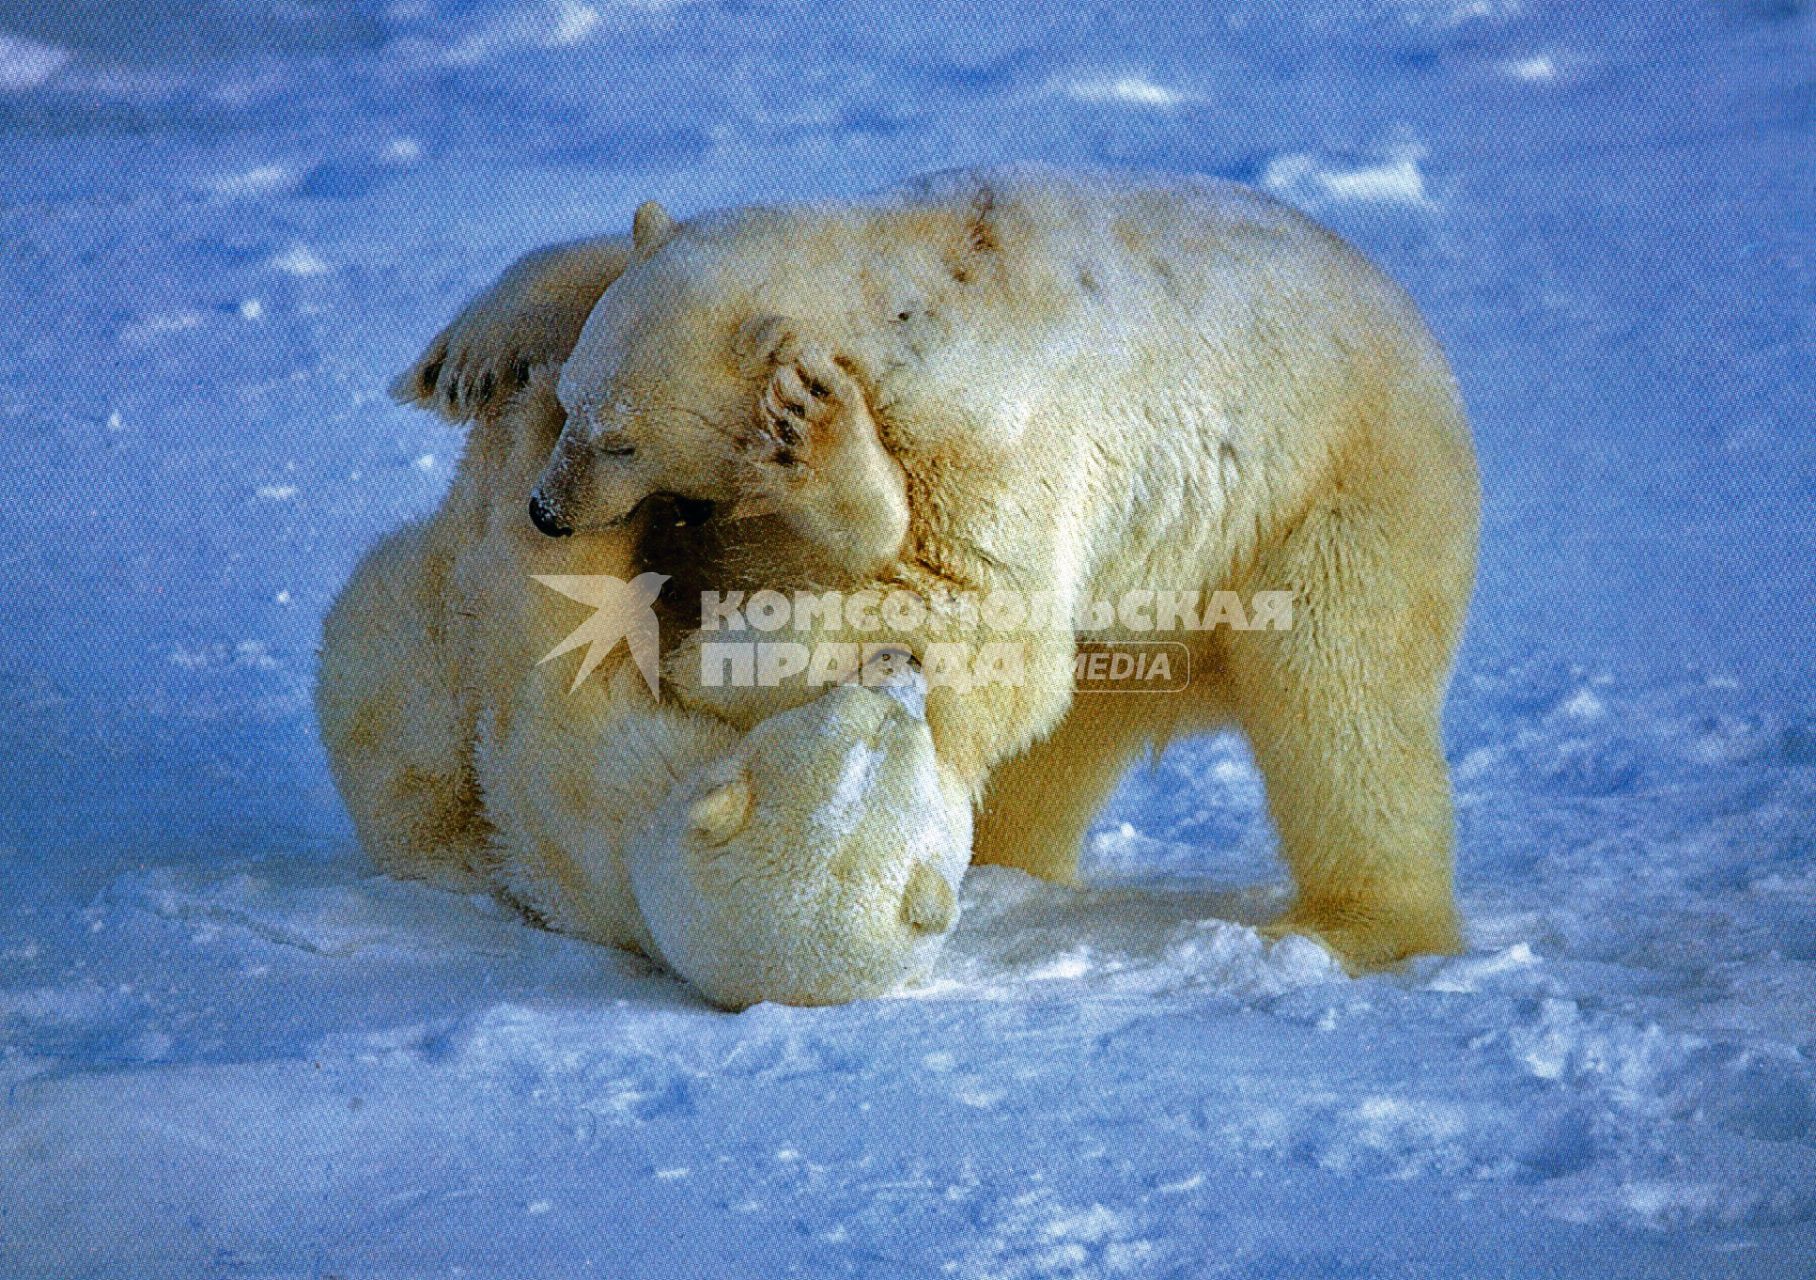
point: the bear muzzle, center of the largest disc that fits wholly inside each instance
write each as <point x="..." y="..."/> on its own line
<point x="547" y="520"/>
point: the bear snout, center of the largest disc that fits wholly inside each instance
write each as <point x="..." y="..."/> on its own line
<point x="543" y="516"/>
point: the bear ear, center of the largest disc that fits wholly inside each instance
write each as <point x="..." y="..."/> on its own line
<point x="721" y="813"/>
<point x="651" y="228"/>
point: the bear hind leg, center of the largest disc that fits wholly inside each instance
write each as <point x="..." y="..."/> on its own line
<point x="1342" y="712"/>
<point x="398" y="737"/>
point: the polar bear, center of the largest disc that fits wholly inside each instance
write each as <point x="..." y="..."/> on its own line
<point x="815" y="859"/>
<point x="1092" y="386"/>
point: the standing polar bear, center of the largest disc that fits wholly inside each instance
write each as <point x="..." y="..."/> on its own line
<point x="1083" y="387"/>
<point x="1077" y="388"/>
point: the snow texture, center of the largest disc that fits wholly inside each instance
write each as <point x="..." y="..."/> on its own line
<point x="227" y="1049"/>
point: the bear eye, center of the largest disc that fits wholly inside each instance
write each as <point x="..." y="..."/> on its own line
<point x="902" y="317"/>
<point x="617" y="450"/>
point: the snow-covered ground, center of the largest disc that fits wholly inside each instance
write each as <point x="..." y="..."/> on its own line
<point x="227" y="1049"/>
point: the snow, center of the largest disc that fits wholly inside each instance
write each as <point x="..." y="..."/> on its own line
<point x="1302" y="180"/>
<point x="228" y="1049"/>
<point x="1131" y="88"/>
<point x="26" y="64"/>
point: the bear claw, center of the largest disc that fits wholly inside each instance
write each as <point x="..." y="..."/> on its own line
<point x="796" y="414"/>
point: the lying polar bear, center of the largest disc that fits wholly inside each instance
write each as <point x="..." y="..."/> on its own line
<point x="812" y="860"/>
<point x="1079" y="385"/>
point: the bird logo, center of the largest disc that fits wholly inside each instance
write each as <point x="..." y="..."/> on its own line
<point x="621" y="611"/>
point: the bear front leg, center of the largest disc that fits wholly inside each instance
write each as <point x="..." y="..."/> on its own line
<point x="1040" y="804"/>
<point x="813" y="455"/>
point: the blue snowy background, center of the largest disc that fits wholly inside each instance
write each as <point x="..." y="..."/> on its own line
<point x="227" y="1049"/>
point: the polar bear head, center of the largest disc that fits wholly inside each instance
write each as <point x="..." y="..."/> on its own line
<point x="816" y="863"/>
<point x="666" y="374"/>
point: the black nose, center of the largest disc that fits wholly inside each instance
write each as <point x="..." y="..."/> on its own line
<point x="545" y="520"/>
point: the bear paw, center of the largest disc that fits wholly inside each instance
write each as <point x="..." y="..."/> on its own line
<point x="812" y="452"/>
<point x="1367" y="941"/>
<point x="799" y="422"/>
<point x="530" y="317"/>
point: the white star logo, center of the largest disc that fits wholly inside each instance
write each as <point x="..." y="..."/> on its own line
<point x="621" y="611"/>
